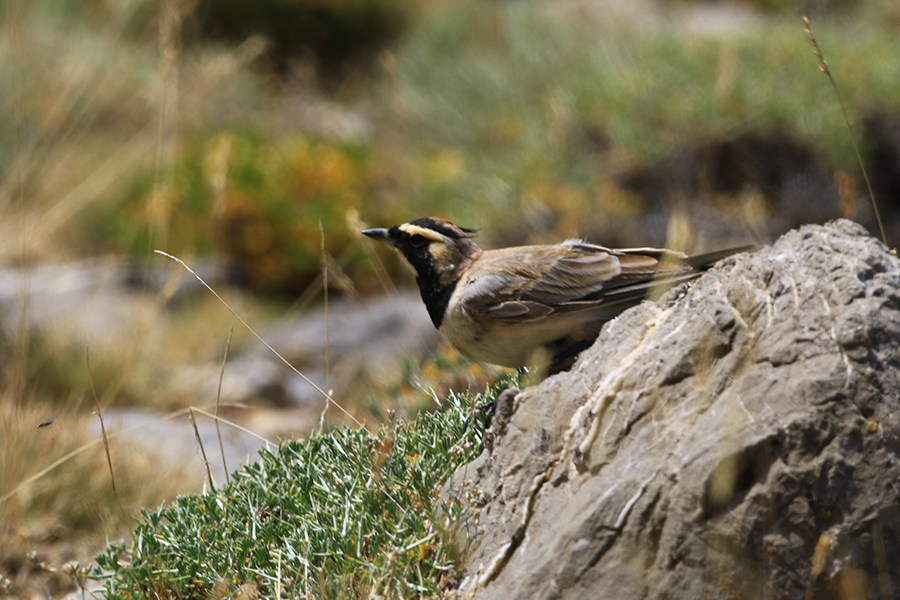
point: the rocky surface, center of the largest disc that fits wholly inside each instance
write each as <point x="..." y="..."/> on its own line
<point x="738" y="440"/>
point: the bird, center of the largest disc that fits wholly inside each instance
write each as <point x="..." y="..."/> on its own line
<point x="504" y="306"/>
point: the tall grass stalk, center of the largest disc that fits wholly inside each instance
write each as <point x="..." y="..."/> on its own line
<point x="218" y="402"/>
<point x="823" y="66"/>
<point x="112" y="475"/>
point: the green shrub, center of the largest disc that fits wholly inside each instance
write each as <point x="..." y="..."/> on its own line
<point x="341" y="515"/>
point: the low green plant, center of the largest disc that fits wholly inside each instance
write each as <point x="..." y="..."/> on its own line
<point x="345" y="514"/>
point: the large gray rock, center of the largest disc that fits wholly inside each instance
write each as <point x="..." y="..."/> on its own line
<point x="740" y="439"/>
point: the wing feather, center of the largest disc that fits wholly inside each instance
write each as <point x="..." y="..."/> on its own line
<point x="538" y="281"/>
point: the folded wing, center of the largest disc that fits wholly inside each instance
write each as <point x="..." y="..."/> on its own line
<point x="539" y="281"/>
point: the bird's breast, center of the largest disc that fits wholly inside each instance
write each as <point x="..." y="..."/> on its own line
<point x="480" y="341"/>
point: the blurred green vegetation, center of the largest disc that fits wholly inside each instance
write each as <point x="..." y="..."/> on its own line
<point x="518" y="118"/>
<point x="257" y="201"/>
<point x="537" y="98"/>
<point x="340" y="36"/>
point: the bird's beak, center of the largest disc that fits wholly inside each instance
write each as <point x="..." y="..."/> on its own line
<point x="381" y="235"/>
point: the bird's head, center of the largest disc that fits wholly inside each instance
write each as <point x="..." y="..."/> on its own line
<point x="435" y="248"/>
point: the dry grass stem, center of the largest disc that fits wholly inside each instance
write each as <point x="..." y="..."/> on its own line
<point x="823" y="66"/>
<point x="278" y="576"/>
<point x="209" y="476"/>
<point x="160" y="202"/>
<point x="123" y="433"/>
<point x="264" y="342"/>
<point x="218" y="401"/>
<point x="18" y="368"/>
<point x="325" y="292"/>
<point x="325" y="261"/>
<point x="112" y="476"/>
<point x="226" y="421"/>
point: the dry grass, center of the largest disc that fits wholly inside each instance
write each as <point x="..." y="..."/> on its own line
<point x="823" y="66"/>
<point x="66" y="512"/>
<point x="87" y="106"/>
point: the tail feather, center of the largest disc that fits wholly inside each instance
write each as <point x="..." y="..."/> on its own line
<point x="636" y="292"/>
<point x="702" y="262"/>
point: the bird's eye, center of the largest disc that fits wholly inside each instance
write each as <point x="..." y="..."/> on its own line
<point x="417" y="240"/>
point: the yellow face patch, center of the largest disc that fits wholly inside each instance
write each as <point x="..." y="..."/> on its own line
<point x="429" y="234"/>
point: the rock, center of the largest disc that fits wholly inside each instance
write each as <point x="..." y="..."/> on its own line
<point x="97" y="300"/>
<point x="740" y="439"/>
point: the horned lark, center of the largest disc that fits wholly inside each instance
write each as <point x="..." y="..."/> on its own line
<point x="501" y="306"/>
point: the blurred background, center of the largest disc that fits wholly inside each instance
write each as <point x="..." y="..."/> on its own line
<point x="254" y="139"/>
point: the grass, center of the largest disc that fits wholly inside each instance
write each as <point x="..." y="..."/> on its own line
<point x="492" y="115"/>
<point x="66" y="513"/>
<point x="647" y="83"/>
<point x="345" y="514"/>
